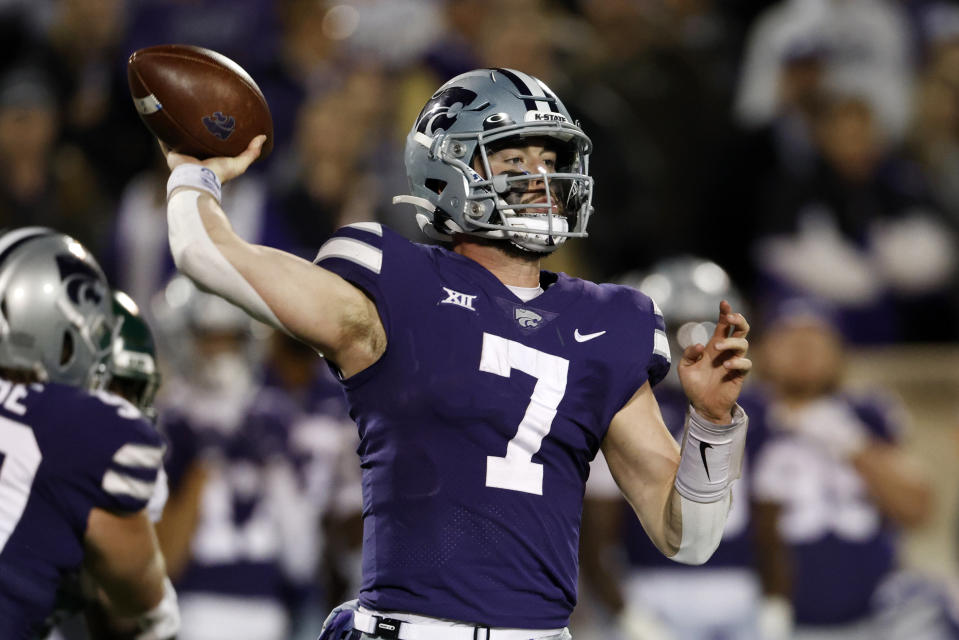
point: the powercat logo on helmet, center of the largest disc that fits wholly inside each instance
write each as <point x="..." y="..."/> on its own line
<point x="82" y="283"/>
<point x="544" y="116"/>
<point x="441" y="112"/>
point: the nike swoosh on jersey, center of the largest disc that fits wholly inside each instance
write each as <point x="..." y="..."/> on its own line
<point x="702" y="451"/>
<point x="580" y="337"/>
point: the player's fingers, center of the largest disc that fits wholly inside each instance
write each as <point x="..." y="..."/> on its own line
<point x="738" y="364"/>
<point x="731" y="324"/>
<point x="252" y="151"/>
<point x="693" y="353"/>
<point x="723" y="322"/>
<point x="736" y="345"/>
<point x="239" y="164"/>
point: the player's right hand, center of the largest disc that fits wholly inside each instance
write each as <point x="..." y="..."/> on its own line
<point x="225" y="168"/>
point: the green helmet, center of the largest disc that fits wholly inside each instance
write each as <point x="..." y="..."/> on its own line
<point x="132" y="369"/>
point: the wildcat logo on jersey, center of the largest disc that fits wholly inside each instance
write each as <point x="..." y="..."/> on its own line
<point x="527" y="319"/>
<point x="220" y="124"/>
<point x="441" y="112"/>
<point x="459" y="299"/>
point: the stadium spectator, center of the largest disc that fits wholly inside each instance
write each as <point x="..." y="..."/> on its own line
<point x="868" y="52"/>
<point x="41" y="182"/>
<point x="651" y="101"/>
<point x="327" y="180"/>
<point x="850" y="232"/>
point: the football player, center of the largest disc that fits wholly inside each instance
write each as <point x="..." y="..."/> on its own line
<point x="134" y="370"/>
<point x="239" y="532"/>
<point x="836" y="469"/>
<point x="659" y="599"/>
<point x="131" y="371"/>
<point x="77" y="466"/>
<point x="482" y="385"/>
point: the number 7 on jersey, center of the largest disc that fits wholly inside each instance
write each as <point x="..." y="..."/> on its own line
<point x="516" y="470"/>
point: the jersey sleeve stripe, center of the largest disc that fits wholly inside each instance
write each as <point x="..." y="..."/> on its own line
<point x="656" y="310"/>
<point x="121" y="484"/>
<point x="661" y="344"/>
<point x="372" y="227"/>
<point x="139" y="455"/>
<point x="352" y="250"/>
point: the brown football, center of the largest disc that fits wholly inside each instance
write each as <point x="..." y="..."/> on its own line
<point x="197" y="101"/>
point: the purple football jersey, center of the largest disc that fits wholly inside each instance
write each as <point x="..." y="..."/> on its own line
<point x="737" y="546"/>
<point x="237" y="547"/>
<point x="842" y="546"/>
<point x="63" y="452"/>
<point x="478" y="424"/>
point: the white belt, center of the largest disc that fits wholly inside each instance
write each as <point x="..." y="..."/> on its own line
<point x="384" y="627"/>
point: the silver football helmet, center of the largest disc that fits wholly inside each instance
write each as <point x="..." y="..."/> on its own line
<point x="188" y="319"/>
<point x="688" y="291"/>
<point x="447" y="162"/>
<point x="56" y="319"/>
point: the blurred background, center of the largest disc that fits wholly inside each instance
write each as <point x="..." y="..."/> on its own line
<point x="808" y="147"/>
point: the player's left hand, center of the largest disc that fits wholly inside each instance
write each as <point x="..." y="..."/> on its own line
<point x="712" y="374"/>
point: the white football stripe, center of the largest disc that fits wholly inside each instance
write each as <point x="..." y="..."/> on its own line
<point x="353" y="250"/>
<point x="660" y="343"/>
<point x="139" y="455"/>
<point x="147" y="104"/>
<point x="656" y="308"/>
<point x="372" y="227"/>
<point x="535" y="90"/>
<point x="121" y="484"/>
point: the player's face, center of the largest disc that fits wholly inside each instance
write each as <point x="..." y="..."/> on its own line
<point x="518" y="159"/>
<point x="804" y="360"/>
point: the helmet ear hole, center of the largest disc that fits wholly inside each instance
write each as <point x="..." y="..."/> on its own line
<point x="435" y="185"/>
<point x="67" y="349"/>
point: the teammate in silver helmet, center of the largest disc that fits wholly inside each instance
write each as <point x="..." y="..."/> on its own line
<point x="77" y="465"/>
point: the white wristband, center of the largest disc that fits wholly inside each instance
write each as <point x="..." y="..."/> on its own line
<point x="162" y="622"/>
<point x="711" y="456"/>
<point x="194" y="176"/>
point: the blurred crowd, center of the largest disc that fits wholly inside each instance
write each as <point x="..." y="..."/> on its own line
<point x="808" y="147"/>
